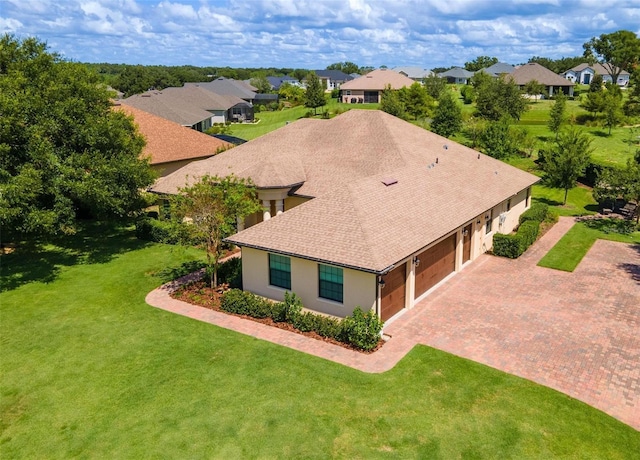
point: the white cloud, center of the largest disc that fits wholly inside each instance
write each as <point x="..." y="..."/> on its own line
<point x="10" y="25"/>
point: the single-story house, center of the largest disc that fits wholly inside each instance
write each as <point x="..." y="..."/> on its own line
<point x="457" y="75"/>
<point x="277" y="82"/>
<point x="368" y="88"/>
<point x="415" y="73"/>
<point x="534" y="71"/>
<point x="228" y="87"/>
<point x="332" y="79"/>
<point x="364" y="210"/>
<point x="497" y="69"/>
<point x="583" y="74"/>
<point x="171" y="146"/>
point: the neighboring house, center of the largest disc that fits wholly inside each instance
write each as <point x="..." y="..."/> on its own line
<point x="534" y="71"/>
<point x="368" y="88"/>
<point x="583" y="74"/>
<point x="223" y="108"/>
<point x="364" y="209"/>
<point x="277" y="82"/>
<point x="497" y="69"/>
<point x="457" y="75"/>
<point x="228" y="87"/>
<point x="171" y="146"/>
<point x="332" y="79"/>
<point x="415" y="73"/>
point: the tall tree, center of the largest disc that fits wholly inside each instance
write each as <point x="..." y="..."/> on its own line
<point x="614" y="183"/>
<point x="498" y="139"/>
<point x="390" y="102"/>
<point x="448" y="116"/>
<point x="346" y="67"/>
<point x="498" y="97"/>
<point x="567" y="160"/>
<point x="612" y="106"/>
<point x="314" y="94"/>
<point x="63" y="150"/>
<point x="416" y="100"/>
<point x="632" y="104"/>
<point x="214" y="206"/>
<point x="261" y="84"/>
<point x="597" y="84"/>
<point x="534" y="88"/>
<point x="557" y="115"/>
<point x="435" y="85"/>
<point x="616" y="52"/>
<point x="481" y="62"/>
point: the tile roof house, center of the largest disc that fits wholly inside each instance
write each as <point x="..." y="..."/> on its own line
<point x="584" y="73"/>
<point x="457" y="75"/>
<point x="415" y="73"/>
<point x="171" y="146"/>
<point x="332" y="79"/>
<point x="363" y="210"/>
<point x="277" y="82"/>
<point x="228" y="87"/>
<point x="368" y="88"/>
<point x="534" y="71"/>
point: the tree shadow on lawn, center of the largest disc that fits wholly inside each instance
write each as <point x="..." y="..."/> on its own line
<point x="548" y="201"/>
<point x="42" y="260"/>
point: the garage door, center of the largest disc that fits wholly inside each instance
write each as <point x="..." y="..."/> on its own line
<point x="393" y="293"/>
<point x="435" y="264"/>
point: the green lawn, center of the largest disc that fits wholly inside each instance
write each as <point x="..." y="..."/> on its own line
<point x="580" y="201"/>
<point x="574" y="245"/>
<point x="89" y="370"/>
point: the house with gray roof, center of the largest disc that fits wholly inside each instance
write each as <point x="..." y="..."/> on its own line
<point x="457" y="75"/>
<point x="364" y="210"/>
<point x="497" y="69"/>
<point x="332" y="79"/>
<point x="228" y="87"/>
<point x="415" y="73"/>
<point x="583" y="74"/>
<point x="534" y="71"/>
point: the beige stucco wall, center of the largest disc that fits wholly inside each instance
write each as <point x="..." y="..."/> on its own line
<point x="518" y="206"/>
<point x="357" y="93"/>
<point x="359" y="287"/>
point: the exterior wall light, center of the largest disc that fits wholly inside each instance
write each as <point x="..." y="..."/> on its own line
<point x="416" y="261"/>
<point x="381" y="283"/>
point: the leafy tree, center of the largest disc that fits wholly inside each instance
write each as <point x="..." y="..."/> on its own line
<point x="448" y="117"/>
<point x="632" y="105"/>
<point x="498" y="139"/>
<point x="391" y="103"/>
<point x="594" y="102"/>
<point x="416" y="100"/>
<point x="480" y="80"/>
<point x="213" y="206"/>
<point x="261" y="84"/>
<point x="346" y="67"/>
<point x="63" y="150"/>
<point x="314" y="95"/>
<point x="614" y="183"/>
<point x="557" y="115"/>
<point x="435" y="86"/>
<point x="468" y="94"/>
<point x="498" y="97"/>
<point x="567" y="160"/>
<point x="558" y="65"/>
<point x="616" y="52"/>
<point x="292" y="93"/>
<point x="480" y="62"/>
<point x="534" y="88"/>
<point x="612" y="107"/>
<point x="473" y="129"/>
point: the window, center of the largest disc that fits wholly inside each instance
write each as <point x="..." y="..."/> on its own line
<point x="509" y="204"/>
<point x="330" y="282"/>
<point x="489" y="222"/>
<point x="280" y="271"/>
<point x="526" y="201"/>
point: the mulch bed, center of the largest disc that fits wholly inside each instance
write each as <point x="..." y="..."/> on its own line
<point x="199" y="293"/>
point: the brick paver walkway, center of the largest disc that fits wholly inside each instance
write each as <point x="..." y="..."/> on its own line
<point x="575" y="332"/>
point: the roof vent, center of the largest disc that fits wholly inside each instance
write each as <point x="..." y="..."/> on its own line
<point x="389" y="181"/>
<point x="445" y="146"/>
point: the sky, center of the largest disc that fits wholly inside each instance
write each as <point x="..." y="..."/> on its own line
<point x="312" y="34"/>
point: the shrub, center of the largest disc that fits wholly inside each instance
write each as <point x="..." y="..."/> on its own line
<point x="361" y="329"/>
<point x="161" y="231"/>
<point x="230" y="272"/>
<point x="537" y="212"/>
<point x="292" y="306"/>
<point x="528" y="232"/>
<point x="246" y="303"/>
<point x="507" y="245"/>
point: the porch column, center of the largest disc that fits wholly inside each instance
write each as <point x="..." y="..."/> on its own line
<point x="266" y="210"/>
<point x="279" y="207"/>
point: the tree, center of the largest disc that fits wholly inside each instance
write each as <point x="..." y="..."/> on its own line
<point x="63" y="151"/>
<point x="616" y="52"/>
<point x="390" y="102"/>
<point x="557" y="115"/>
<point x="597" y="84"/>
<point x="614" y="183"/>
<point x="448" y="117"/>
<point x="481" y="62"/>
<point x="534" y="88"/>
<point x="314" y="95"/>
<point x="416" y="100"/>
<point x="567" y="160"/>
<point x="214" y="206"/>
<point x="632" y="105"/>
<point x="594" y="102"/>
<point x="346" y="67"/>
<point x="261" y="84"/>
<point x="612" y="106"/>
<point x="292" y="93"/>
<point x="498" y="97"/>
<point x="435" y="85"/>
<point x="498" y="139"/>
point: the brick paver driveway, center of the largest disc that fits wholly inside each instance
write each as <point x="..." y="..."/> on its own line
<point x="576" y="332"/>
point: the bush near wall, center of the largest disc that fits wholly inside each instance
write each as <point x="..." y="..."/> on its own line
<point x="161" y="231"/>
<point x="361" y="330"/>
<point x="514" y="245"/>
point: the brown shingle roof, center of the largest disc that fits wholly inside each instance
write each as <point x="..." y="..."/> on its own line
<point x="534" y="71"/>
<point x="597" y="67"/>
<point x="168" y="141"/>
<point x="378" y="80"/>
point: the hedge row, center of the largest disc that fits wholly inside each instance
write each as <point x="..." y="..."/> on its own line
<point x="514" y="245"/>
<point x="361" y="330"/>
<point x="161" y="231"/>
